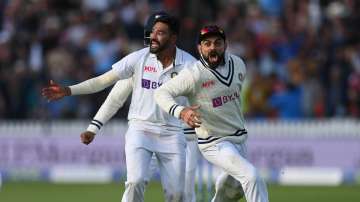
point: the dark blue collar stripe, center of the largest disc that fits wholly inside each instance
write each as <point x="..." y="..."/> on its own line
<point x="218" y="73"/>
<point x="225" y="80"/>
<point x="204" y="63"/>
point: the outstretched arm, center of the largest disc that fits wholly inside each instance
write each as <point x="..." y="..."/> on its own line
<point x="54" y="91"/>
<point x="114" y="101"/>
<point x="122" y="69"/>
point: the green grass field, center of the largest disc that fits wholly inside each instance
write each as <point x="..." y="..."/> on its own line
<point x="44" y="192"/>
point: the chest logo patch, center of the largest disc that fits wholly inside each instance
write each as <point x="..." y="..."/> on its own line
<point x="148" y="84"/>
<point x="208" y="84"/>
<point x="173" y="74"/>
<point x="150" y="69"/>
<point x="219" y="101"/>
<point x="241" y="77"/>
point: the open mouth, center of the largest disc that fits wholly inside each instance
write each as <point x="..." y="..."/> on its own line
<point x="213" y="57"/>
<point x="154" y="44"/>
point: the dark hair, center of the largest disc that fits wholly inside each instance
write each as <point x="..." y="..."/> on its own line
<point x="211" y="30"/>
<point x="170" y="20"/>
<point x="164" y="17"/>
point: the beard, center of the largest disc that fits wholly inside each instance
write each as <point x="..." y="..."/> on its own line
<point x="156" y="47"/>
<point x="214" y="58"/>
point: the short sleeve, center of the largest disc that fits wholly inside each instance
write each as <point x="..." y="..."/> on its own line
<point x="125" y="68"/>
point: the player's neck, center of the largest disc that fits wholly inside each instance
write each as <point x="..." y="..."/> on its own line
<point x="167" y="57"/>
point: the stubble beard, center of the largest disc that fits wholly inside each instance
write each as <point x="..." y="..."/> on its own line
<point x="159" y="49"/>
<point x="220" y="58"/>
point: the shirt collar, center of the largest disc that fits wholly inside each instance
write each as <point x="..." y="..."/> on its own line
<point x="223" y="63"/>
<point x="179" y="57"/>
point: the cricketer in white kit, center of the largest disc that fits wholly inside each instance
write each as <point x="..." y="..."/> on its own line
<point x="114" y="101"/>
<point x="151" y="131"/>
<point x="213" y="86"/>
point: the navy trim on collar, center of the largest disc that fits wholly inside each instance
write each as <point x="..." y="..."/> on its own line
<point x="226" y="80"/>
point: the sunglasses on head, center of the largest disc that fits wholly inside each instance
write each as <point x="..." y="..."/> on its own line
<point x="211" y="29"/>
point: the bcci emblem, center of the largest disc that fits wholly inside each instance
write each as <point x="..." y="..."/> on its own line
<point x="241" y="77"/>
<point x="173" y="74"/>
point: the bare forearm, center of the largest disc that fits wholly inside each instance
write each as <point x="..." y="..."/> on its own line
<point x="67" y="91"/>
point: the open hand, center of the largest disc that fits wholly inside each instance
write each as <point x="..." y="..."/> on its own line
<point x="87" y="137"/>
<point x="54" y="91"/>
<point x="190" y="116"/>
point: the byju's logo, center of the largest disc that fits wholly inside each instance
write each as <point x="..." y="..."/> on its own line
<point x="219" y="101"/>
<point x="148" y="84"/>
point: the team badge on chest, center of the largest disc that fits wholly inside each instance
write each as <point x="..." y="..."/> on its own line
<point x="241" y="77"/>
<point x="173" y="74"/>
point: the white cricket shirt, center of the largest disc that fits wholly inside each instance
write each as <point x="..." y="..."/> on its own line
<point x="148" y="74"/>
<point x="217" y="91"/>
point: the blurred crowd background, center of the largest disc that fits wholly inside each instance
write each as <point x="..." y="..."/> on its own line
<point x="302" y="57"/>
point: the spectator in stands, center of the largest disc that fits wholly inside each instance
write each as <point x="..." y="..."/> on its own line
<point x="269" y="35"/>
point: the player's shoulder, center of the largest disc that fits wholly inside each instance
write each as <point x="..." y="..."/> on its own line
<point x="191" y="69"/>
<point x="184" y="56"/>
<point x="132" y="58"/>
<point x="139" y="53"/>
<point x="235" y="58"/>
<point x="238" y="61"/>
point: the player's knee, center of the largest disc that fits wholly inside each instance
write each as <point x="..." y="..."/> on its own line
<point x="234" y="193"/>
<point x="229" y="189"/>
<point x="220" y="185"/>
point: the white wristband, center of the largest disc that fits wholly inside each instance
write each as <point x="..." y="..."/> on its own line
<point x="93" y="129"/>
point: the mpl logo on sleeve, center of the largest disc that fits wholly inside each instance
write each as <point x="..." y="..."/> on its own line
<point x="219" y="101"/>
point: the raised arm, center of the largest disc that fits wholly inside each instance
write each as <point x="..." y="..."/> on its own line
<point x="114" y="101"/>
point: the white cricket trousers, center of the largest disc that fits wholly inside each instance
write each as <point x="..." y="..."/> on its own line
<point x="192" y="153"/>
<point x="169" y="150"/>
<point x="231" y="158"/>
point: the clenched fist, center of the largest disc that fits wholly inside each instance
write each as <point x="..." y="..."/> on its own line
<point x="87" y="137"/>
